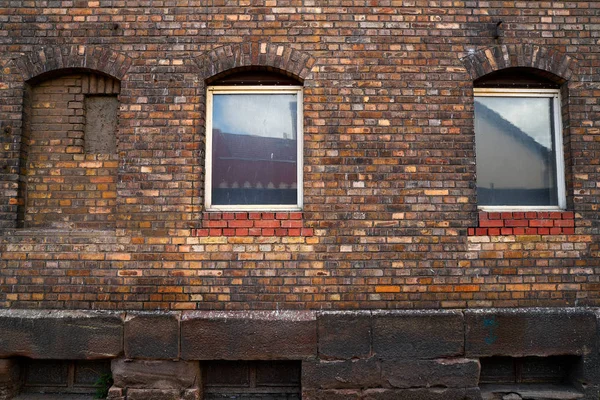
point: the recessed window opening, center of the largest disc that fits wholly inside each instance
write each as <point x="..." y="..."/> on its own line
<point x="273" y="380"/>
<point x="509" y="370"/>
<point x="519" y="150"/>
<point x="254" y="146"/>
<point x="63" y="376"/>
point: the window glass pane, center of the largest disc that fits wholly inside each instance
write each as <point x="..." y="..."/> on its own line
<point x="254" y="149"/>
<point x="516" y="155"/>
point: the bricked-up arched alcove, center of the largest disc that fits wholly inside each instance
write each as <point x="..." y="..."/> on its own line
<point x="68" y="151"/>
<point x="19" y="75"/>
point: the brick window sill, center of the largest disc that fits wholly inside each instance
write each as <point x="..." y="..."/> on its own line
<point x="524" y="223"/>
<point x="252" y="224"/>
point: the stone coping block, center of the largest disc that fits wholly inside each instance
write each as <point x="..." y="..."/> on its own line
<point x="252" y="335"/>
<point x="61" y="335"/>
<point x="530" y="332"/>
<point x="417" y="334"/>
<point x="344" y="334"/>
<point x="152" y="335"/>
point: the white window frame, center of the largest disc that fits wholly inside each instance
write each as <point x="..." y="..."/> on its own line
<point x="297" y="90"/>
<point x="558" y="143"/>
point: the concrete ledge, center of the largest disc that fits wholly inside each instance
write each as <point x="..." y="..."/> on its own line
<point x="256" y="335"/>
<point x="61" y="335"/>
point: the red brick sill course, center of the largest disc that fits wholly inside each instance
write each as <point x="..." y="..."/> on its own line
<point x="252" y="224"/>
<point x="525" y="223"/>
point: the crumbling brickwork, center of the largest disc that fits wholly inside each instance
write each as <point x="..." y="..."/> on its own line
<point x="389" y="216"/>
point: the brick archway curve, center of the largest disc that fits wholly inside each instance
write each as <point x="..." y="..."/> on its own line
<point x="53" y="58"/>
<point x="485" y="61"/>
<point x="279" y="57"/>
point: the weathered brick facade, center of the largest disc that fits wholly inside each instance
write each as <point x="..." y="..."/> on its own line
<point x="389" y="218"/>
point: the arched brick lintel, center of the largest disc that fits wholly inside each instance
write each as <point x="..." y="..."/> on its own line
<point x="491" y="59"/>
<point x="279" y="57"/>
<point x="46" y="59"/>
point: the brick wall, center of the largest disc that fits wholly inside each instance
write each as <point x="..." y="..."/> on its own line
<point x="390" y="216"/>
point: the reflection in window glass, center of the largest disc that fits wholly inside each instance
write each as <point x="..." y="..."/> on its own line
<point x="254" y="149"/>
<point x="516" y="152"/>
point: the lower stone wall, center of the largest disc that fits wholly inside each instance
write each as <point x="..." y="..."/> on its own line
<point x="343" y="355"/>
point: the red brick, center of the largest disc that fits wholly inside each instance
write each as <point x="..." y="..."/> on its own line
<point x="498" y="223"/>
<point x="291" y="224"/>
<point x="307" y="231"/>
<point x="228" y="215"/>
<point x="254" y="215"/>
<point x="267" y="223"/>
<point x="494" y="215"/>
<point x="240" y="224"/>
<point x="215" y="224"/>
<point x="541" y="223"/>
<point x="511" y="223"/>
<point x="565" y="223"/>
<point x="255" y="231"/>
<point x="493" y="231"/>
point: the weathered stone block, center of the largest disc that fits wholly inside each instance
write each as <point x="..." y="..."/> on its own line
<point x="190" y="394"/>
<point x="257" y="335"/>
<point x="153" y="394"/>
<point x="152" y="335"/>
<point x="345" y="394"/>
<point x="450" y="373"/>
<point x="60" y="335"/>
<point x="422" y="394"/>
<point x="155" y="374"/>
<point x="344" y="335"/>
<point x="417" y="334"/>
<point x="354" y="374"/>
<point x="115" y="393"/>
<point x="529" y="332"/>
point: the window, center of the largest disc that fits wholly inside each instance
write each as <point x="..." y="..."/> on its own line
<point x="254" y="148"/>
<point x="252" y="380"/>
<point x="519" y="149"/>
